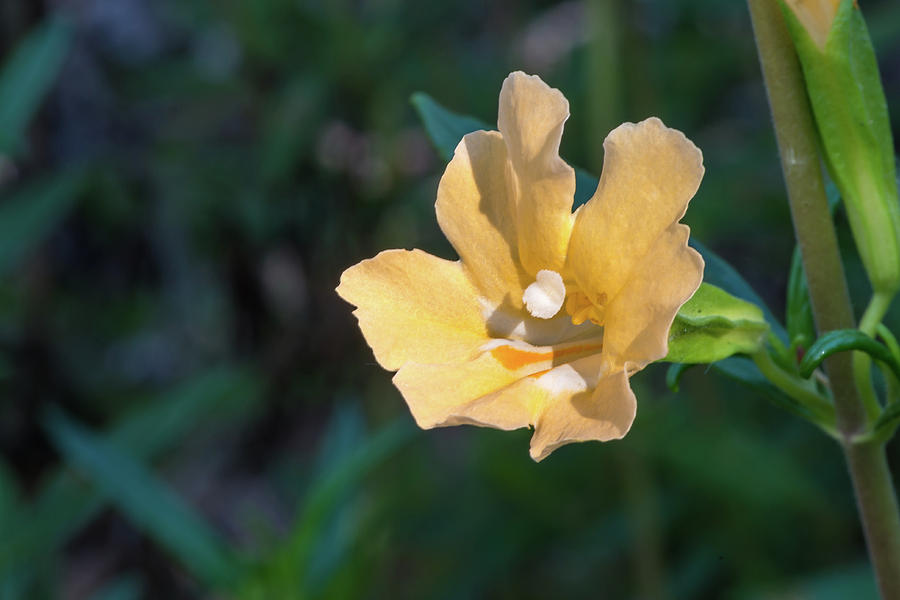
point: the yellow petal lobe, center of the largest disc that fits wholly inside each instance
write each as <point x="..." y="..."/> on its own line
<point x="476" y="212"/>
<point x="639" y="317"/>
<point x="650" y="172"/>
<point x="507" y="385"/>
<point x="414" y="306"/>
<point x="530" y="118"/>
<point x="603" y="413"/>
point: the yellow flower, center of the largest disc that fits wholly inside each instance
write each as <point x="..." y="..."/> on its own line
<point x="547" y="313"/>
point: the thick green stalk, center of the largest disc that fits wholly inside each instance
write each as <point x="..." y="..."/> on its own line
<point x="796" y="137"/>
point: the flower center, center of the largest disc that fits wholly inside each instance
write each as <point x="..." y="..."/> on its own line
<point x="545" y="296"/>
<point x="582" y="308"/>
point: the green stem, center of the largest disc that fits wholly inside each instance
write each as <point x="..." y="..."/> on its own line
<point x="800" y="390"/>
<point x="891" y="342"/>
<point x="878" y="307"/>
<point x="800" y="163"/>
<point x="862" y="363"/>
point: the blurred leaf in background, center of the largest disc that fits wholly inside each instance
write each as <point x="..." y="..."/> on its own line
<point x="27" y="76"/>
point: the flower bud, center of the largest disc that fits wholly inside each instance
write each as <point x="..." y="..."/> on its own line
<point x="851" y="114"/>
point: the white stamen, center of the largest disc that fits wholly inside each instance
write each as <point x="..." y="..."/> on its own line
<point x="545" y="296"/>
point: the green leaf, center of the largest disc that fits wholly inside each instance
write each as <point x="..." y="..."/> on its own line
<point x="27" y="76"/>
<point x="65" y="503"/>
<point x="338" y="479"/>
<point x="798" y="312"/>
<point x="348" y="454"/>
<point x="151" y="505"/>
<point x="220" y="394"/>
<point x="713" y="325"/>
<point x="842" y="340"/>
<point x="446" y="128"/>
<point x="674" y="374"/>
<point x="32" y="212"/>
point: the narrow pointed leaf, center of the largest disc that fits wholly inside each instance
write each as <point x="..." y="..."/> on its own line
<point x="799" y="316"/>
<point x="27" y="76"/>
<point x="444" y="127"/>
<point x="147" y="502"/>
<point x="29" y="214"/>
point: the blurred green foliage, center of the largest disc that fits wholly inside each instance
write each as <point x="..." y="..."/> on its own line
<point x="188" y="410"/>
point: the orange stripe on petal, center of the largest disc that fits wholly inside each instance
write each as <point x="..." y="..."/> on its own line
<point x="513" y="358"/>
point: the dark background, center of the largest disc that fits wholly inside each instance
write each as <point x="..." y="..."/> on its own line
<point x="188" y="410"/>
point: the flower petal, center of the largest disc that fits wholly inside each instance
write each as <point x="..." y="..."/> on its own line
<point x="505" y="386"/>
<point x="650" y="172"/>
<point x="602" y="414"/>
<point x="477" y="214"/>
<point x="531" y="117"/>
<point x="638" y="318"/>
<point x="414" y="306"/>
<point x="478" y="392"/>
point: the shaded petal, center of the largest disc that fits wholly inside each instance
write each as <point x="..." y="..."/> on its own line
<point x="414" y="306"/>
<point x="505" y="386"/>
<point x="638" y="318"/>
<point x="477" y="214"/>
<point x="602" y="414"/>
<point x="531" y="117"/>
<point x="478" y="392"/>
<point x="650" y="172"/>
<point x="516" y="324"/>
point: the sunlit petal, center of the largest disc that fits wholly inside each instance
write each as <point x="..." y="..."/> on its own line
<point x="531" y="118"/>
<point x="638" y="318"/>
<point x="414" y="306"/>
<point x="601" y="413"/>
<point x="650" y="172"/>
